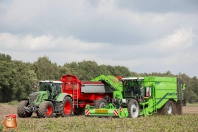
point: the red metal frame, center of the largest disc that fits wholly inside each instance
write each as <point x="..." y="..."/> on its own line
<point x="73" y="86"/>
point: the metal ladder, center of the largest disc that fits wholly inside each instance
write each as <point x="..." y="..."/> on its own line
<point x="75" y="94"/>
<point x="154" y="101"/>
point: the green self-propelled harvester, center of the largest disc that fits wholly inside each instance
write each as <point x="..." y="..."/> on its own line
<point x="141" y="96"/>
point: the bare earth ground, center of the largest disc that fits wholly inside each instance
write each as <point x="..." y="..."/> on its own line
<point x="6" y="109"/>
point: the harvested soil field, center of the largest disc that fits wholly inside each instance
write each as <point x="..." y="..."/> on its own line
<point x="190" y="110"/>
<point x="82" y="123"/>
<point x="6" y="109"/>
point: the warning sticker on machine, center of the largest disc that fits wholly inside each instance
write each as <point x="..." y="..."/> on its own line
<point x="101" y="111"/>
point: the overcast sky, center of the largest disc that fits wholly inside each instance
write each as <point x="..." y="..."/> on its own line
<point x="143" y="35"/>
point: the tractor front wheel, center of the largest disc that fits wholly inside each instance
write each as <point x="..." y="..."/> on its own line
<point x="133" y="108"/>
<point x="21" y="110"/>
<point x="45" y="109"/>
<point x="66" y="107"/>
<point x="101" y="103"/>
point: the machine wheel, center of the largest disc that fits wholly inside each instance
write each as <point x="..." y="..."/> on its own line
<point x="133" y="108"/>
<point x="169" y="108"/>
<point x="79" y="111"/>
<point x="21" y="110"/>
<point x="45" y="109"/>
<point x="101" y="103"/>
<point x="66" y="107"/>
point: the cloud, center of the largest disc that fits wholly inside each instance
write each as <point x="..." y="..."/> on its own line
<point x="103" y="23"/>
<point x="180" y="40"/>
<point x="45" y="42"/>
<point x="174" y="52"/>
<point x="159" y="6"/>
<point x="145" y="37"/>
<point x="60" y="49"/>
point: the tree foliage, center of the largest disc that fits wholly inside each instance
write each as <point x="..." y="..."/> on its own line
<point x="18" y="78"/>
<point x="45" y="69"/>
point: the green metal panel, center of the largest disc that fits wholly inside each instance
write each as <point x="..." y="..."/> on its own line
<point x="122" y="112"/>
<point x="61" y="96"/>
<point x="163" y="86"/>
<point x="111" y="80"/>
<point x="163" y="89"/>
<point x="160" y="79"/>
<point x="118" y="94"/>
<point x="43" y="95"/>
<point x="108" y="113"/>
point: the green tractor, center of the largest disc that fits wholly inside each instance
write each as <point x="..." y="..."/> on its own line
<point x="48" y="100"/>
<point x="141" y="96"/>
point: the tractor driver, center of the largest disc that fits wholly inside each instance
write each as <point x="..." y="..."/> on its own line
<point x="134" y="87"/>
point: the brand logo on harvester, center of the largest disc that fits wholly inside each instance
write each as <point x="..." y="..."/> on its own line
<point x="10" y="122"/>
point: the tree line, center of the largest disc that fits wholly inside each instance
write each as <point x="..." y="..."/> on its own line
<point x="18" y="78"/>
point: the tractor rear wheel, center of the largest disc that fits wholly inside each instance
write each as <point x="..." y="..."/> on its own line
<point x="21" y="110"/>
<point x="133" y="108"/>
<point x="45" y="109"/>
<point x="101" y="103"/>
<point x="169" y="108"/>
<point x="66" y="107"/>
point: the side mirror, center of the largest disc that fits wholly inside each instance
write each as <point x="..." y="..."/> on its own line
<point x="183" y="86"/>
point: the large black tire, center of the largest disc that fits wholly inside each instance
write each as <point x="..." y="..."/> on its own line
<point x="101" y="103"/>
<point x="133" y="108"/>
<point x="66" y="107"/>
<point x="21" y="110"/>
<point x="79" y="111"/>
<point x="45" y="109"/>
<point x="169" y="108"/>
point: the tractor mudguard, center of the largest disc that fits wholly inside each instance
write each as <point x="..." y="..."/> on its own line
<point x="61" y="96"/>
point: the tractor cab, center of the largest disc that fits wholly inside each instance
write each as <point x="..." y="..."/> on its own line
<point x="52" y="87"/>
<point x="133" y="87"/>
